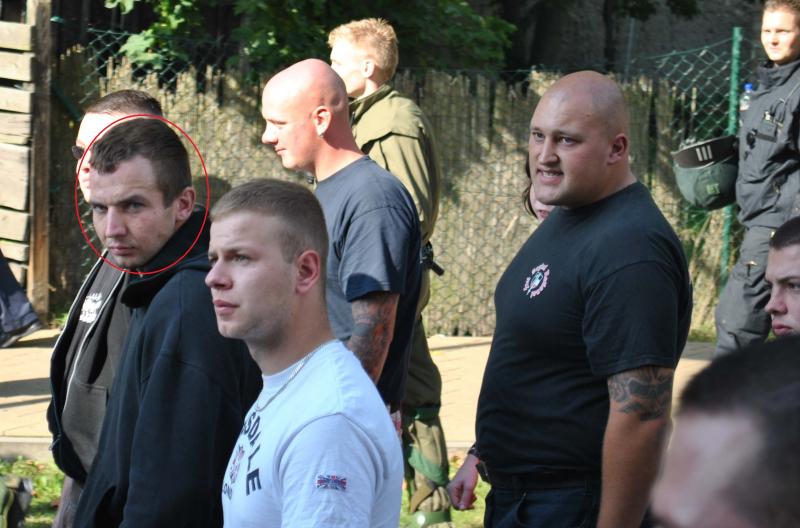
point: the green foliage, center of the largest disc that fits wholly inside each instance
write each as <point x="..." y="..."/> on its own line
<point x="275" y="34"/>
<point x="271" y="35"/>
<point x="126" y="6"/>
<point x="159" y="45"/>
<point x="47" y="480"/>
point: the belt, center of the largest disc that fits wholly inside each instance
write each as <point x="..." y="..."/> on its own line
<point x="543" y="479"/>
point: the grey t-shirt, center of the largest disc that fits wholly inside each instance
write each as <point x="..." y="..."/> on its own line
<point x="374" y="245"/>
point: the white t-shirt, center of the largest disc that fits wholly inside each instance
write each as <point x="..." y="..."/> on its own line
<point x="322" y="453"/>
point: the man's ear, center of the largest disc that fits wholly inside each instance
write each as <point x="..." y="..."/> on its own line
<point x="184" y="204"/>
<point x="308" y="267"/>
<point x="619" y="149"/>
<point x="367" y="68"/>
<point x="322" y="119"/>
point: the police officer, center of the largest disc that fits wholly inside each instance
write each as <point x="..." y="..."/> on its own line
<point x="768" y="185"/>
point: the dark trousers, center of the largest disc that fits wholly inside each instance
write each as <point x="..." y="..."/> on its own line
<point x="575" y="506"/>
<point x="563" y="507"/>
<point x="740" y="316"/>
<point x="15" y="309"/>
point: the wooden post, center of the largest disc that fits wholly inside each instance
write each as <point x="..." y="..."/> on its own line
<point x="39" y="265"/>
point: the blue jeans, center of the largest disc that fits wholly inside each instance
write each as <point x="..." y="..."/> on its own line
<point x="15" y="310"/>
<point x="572" y="507"/>
<point x="568" y="507"/>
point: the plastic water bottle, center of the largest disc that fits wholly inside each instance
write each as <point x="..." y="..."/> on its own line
<point x="744" y="101"/>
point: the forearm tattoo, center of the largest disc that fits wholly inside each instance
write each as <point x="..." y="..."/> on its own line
<point x="645" y="392"/>
<point x="373" y="326"/>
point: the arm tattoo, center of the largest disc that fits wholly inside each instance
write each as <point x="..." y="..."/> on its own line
<point x="373" y="328"/>
<point x="645" y="391"/>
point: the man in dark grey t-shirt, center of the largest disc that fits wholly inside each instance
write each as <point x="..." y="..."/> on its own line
<point x="373" y="272"/>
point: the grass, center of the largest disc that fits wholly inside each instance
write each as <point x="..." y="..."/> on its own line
<point x="703" y="334"/>
<point x="47" y="480"/>
<point x="461" y="519"/>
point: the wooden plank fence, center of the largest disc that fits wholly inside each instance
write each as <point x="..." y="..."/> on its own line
<point x="25" y="60"/>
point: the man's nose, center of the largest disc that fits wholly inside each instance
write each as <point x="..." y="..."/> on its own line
<point x="216" y="279"/>
<point x="545" y="152"/>
<point x="84" y="165"/>
<point x="775" y="305"/>
<point x="270" y="137"/>
<point x="115" y="224"/>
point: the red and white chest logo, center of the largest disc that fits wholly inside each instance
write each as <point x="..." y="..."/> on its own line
<point x="536" y="282"/>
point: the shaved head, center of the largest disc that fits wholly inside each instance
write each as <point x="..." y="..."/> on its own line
<point x="578" y="149"/>
<point x="308" y="84"/>
<point x="306" y="111"/>
<point x="601" y="98"/>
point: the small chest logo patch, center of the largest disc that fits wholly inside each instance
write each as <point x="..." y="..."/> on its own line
<point x="537" y="281"/>
<point x="333" y="482"/>
<point x="91" y="308"/>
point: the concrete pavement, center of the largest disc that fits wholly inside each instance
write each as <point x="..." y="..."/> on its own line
<point x="25" y="388"/>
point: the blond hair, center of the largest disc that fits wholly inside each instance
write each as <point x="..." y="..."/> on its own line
<point x="772" y="5"/>
<point x="376" y="38"/>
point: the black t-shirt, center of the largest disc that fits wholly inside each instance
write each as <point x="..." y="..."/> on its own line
<point x="374" y="246"/>
<point x="595" y="291"/>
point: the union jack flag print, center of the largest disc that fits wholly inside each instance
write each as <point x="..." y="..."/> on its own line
<point x="332" y="482"/>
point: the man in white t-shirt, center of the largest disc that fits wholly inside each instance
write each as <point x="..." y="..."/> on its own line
<point x="317" y="448"/>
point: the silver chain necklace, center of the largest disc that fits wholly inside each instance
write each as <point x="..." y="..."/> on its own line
<point x="294" y="373"/>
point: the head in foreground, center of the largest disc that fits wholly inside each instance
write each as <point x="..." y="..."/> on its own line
<point x="734" y="458"/>
<point x="268" y="250"/>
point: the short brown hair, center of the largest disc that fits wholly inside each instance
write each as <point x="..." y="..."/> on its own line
<point x="788" y="234"/>
<point x="126" y="102"/>
<point x="152" y="139"/>
<point x="760" y="383"/>
<point x="294" y="204"/>
<point x="376" y="37"/>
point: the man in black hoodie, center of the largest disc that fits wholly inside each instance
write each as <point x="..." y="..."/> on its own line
<point x="182" y="389"/>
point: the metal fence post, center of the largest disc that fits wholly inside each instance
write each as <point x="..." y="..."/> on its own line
<point x="733" y="122"/>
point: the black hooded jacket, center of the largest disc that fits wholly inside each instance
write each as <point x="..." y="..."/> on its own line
<point x="178" y="402"/>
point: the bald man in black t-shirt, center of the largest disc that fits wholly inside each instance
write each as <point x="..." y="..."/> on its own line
<point x="592" y="315"/>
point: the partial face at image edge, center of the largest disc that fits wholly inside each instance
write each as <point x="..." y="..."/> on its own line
<point x="783" y="277"/>
<point x="91" y="126"/>
<point x="780" y="35"/>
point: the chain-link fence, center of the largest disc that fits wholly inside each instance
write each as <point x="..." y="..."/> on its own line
<point x="481" y="127"/>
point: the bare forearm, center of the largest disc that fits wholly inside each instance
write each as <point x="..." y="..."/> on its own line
<point x="638" y="423"/>
<point x="373" y="327"/>
<point x="631" y="457"/>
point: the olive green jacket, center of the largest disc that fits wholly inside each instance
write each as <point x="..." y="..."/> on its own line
<point x="393" y="131"/>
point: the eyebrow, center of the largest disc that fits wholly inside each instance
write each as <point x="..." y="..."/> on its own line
<point x="558" y="132"/>
<point x="124" y="201"/>
<point x="787" y="278"/>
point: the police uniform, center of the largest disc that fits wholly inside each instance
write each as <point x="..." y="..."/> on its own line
<point x="393" y="131"/>
<point x="768" y="194"/>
